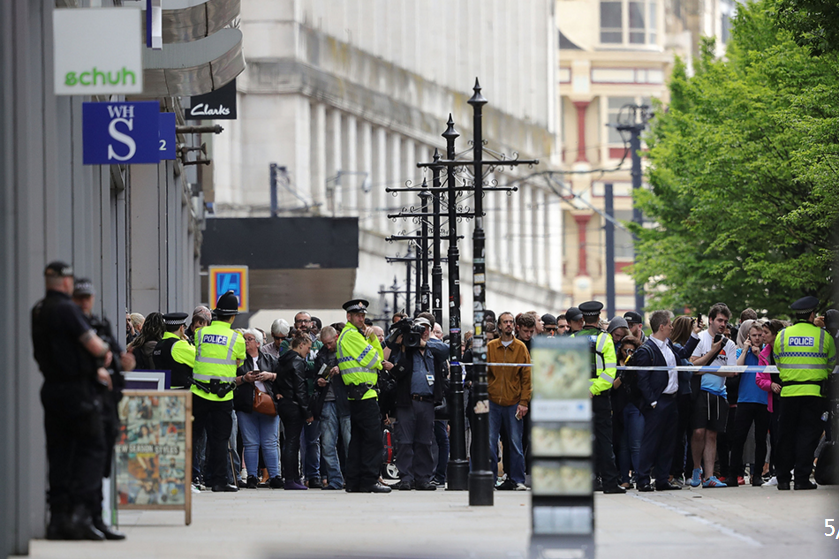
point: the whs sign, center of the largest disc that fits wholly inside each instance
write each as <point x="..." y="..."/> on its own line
<point x="126" y="133"/>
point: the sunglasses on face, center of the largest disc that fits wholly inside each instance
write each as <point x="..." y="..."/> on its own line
<point x="277" y="338"/>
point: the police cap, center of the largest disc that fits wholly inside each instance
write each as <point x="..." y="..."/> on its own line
<point x="83" y="288"/>
<point x="228" y="304"/>
<point x="633" y="317"/>
<point x="175" y="318"/>
<point x="58" y="268"/>
<point x="356" y="305"/>
<point x="805" y="305"/>
<point x="573" y="314"/>
<point x="548" y="319"/>
<point x="591" y="308"/>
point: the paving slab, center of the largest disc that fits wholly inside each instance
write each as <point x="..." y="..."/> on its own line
<point x="738" y="523"/>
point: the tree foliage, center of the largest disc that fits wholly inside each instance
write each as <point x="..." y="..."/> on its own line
<point x="744" y="165"/>
<point x="813" y="23"/>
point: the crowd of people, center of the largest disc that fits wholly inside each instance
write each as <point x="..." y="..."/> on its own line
<point x="655" y="429"/>
<point x="313" y="406"/>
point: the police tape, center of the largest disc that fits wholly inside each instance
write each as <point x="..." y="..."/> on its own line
<point x="705" y="369"/>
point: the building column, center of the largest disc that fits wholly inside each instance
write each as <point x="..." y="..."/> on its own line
<point x="527" y="232"/>
<point x="318" y="135"/>
<point x="540" y="259"/>
<point x="365" y="165"/>
<point x="514" y="233"/>
<point x="379" y="180"/>
<point x="333" y="159"/>
<point x="555" y="243"/>
<point x="582" y="222"/>
<point x="394" y="179"/>
<point x="348" y="183"/>
<point x="581" y="130"/>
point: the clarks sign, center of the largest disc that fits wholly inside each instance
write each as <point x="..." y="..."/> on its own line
<point x="216" y="105"/>
<point x="97" y="51"/>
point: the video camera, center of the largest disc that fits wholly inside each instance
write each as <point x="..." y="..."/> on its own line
<point x="411" y="333"/>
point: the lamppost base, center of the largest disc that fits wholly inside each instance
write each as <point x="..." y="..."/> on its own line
<point x="481" y="488"/>
<point x="457" y="475"/>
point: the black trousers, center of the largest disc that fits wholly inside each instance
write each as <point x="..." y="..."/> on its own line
<point x="292" y="427"/>
<point x="414" y="437"/>
<point x="110" y="425"/>
<point x="800" y="426"/>
<point x="682" y="456"/>
<point x="604" y="455"/>
<point x="214" y="417"/>
<point x="748" y="413"/>
<point x="75" y="445"/>
<point x="724" y="443"/>
<point x="660" y="426"/>
<point x="365" y="454"/>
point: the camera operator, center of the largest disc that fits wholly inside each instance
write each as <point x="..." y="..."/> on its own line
<point x="420" y="377"/>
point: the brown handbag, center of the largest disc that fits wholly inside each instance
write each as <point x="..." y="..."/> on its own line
<point x="262" y="403"/>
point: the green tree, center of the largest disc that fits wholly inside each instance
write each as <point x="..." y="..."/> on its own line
<point x="743" y="171"/>
<point x="813" y="23"/>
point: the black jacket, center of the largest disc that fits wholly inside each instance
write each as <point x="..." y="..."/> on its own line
<point x="651" y="384"/>
<point x="243" y="397"/>
<point x="291" y="382"/>
<point x="403" y="370"/>
<point x="339" y="389"/>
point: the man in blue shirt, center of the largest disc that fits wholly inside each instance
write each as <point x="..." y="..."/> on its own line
<point x="420" y="377"/>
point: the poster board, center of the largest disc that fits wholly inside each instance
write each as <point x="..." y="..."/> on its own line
<point x="561" y="445"/>
<point x="154" y="451"/>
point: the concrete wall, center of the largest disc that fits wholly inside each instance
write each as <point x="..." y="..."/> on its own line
<point x="132" y="230"/>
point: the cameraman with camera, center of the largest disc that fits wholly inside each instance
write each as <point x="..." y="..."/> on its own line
<point x="420" y="377"/>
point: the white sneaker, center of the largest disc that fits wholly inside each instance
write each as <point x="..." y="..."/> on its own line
<point x="772" y="481"/>
<point x="522" y="487"/>
<point x="195" y="489"/>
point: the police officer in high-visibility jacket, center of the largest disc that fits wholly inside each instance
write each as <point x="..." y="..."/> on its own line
<point x="360" y="356"/>
<point x="219" y="351"/>
<point x="604" y="371"/>
<point x="805" y="355"/>
<point x="174" y="353"/>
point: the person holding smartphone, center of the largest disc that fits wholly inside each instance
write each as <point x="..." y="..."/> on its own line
<point x="710" y="413"/>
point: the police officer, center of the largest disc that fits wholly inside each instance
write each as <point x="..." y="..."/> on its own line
<point x="72" y="359"/>
<point x="805" y="355"/>
<point x="84" y="296"/>
<point x="360" y="355"/>
<point x="219" y="350"/>
<point x="604" y="370"/>
<point x="174" y="353"/>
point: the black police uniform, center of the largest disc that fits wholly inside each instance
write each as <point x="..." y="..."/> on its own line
<point x="180" y="373"/>
<point x="72" y="416"/>
<point x="601" y="408"/>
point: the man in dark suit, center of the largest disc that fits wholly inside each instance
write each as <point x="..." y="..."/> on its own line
<point x="658" y="389"/>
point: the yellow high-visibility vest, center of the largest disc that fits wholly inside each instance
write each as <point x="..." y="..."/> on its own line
<point x="359" y="358"/>
<point x="804" y="354"/>
<point x="218" y="351"/>
<point x="606" y="359"/>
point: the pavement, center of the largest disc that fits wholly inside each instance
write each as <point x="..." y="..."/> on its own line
<point x="735" y="523"/>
